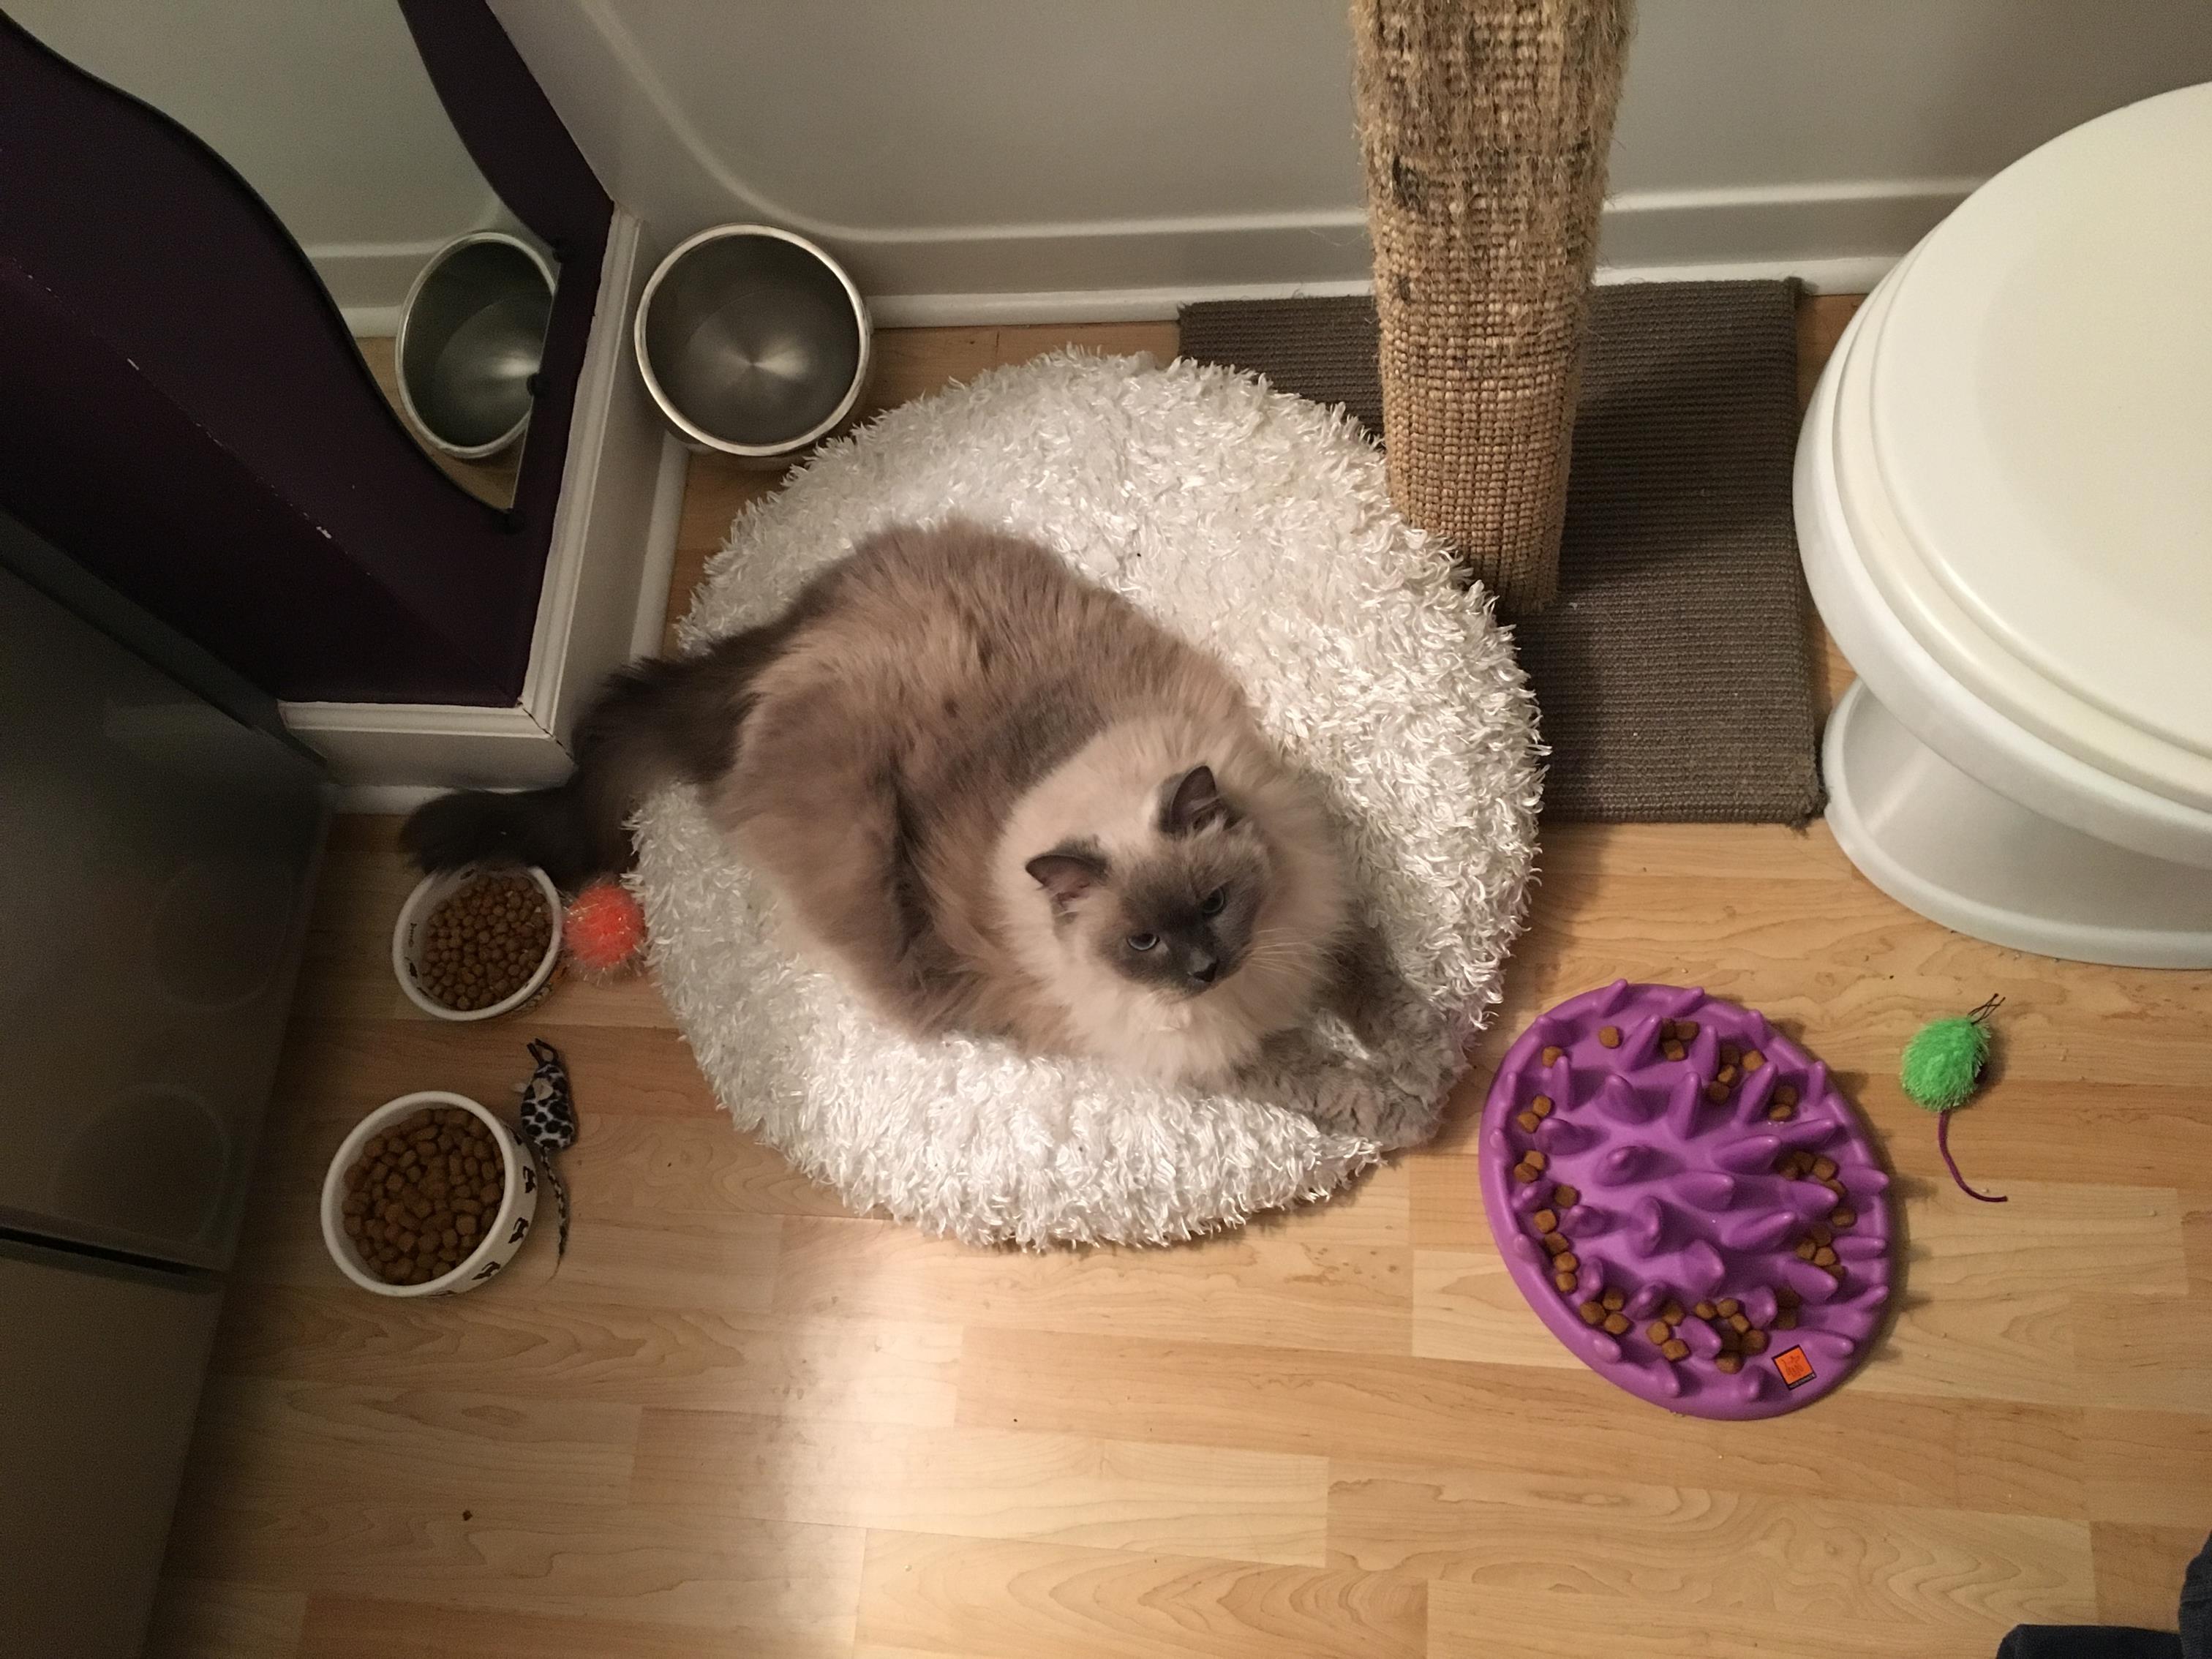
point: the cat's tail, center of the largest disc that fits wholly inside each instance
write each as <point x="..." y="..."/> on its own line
<point x="663" y="720"/>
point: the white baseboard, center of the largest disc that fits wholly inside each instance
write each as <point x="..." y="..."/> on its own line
<point x="1835" y="238"/>
<point x="1090" y="305"/>
<point x="370" y="278"/>
<point x="605" y="590"/>
<point x="381" y="800"/>
<point x="1849" y="274"/>
<point x="371" y="322"/>
<point x="1838" y="275"/>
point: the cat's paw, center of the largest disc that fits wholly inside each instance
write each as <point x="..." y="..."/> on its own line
<point x="1347" y="1102"/>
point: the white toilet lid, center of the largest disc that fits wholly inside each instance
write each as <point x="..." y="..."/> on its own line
<point x="2033" y="413"/>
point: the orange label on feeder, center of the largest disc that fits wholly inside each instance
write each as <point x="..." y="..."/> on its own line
<point x="1794" y="1366"/>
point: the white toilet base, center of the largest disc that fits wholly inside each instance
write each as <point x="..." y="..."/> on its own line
<point x="1950" y="848"/>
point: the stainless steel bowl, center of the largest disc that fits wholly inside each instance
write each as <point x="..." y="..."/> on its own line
<point x="754" y="342"/>
<point x="472" y="333"/>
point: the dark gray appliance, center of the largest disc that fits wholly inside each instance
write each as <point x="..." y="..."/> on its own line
<point x="159" y="837"/>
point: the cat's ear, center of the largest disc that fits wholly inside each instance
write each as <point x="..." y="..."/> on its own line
<point x="1194" y="803"/>
<point x="1065" y="875"/>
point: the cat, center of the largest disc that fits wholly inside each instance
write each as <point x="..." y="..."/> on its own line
<point x="996" y="796"/>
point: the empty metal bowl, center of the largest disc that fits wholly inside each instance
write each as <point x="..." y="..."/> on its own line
<point x="754" y="342"/>
<point x="471" y="337"/>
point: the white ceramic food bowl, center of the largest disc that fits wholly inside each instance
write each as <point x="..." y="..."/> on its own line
<point x="410" y="934"/>
<point x="518" y="1205"/>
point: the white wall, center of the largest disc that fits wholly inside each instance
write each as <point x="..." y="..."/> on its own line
<point x="323" y="106"/>
<point x="975" y="158"/>
<point x="1825" y="137"/>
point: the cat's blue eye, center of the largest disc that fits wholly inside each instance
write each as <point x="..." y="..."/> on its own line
<point x="1143" y="941"/>
<point x="1212" y="904"/>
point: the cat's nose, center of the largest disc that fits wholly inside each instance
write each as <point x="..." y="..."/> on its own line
<point x="1203" y="969"/>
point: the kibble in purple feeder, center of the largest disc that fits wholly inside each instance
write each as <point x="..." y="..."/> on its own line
<point x="1686" y="1200"/>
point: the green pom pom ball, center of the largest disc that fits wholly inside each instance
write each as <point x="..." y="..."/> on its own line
<point x="1943" y="1062"/>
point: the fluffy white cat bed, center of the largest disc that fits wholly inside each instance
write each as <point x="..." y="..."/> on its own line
<point x="1257" y="524"/>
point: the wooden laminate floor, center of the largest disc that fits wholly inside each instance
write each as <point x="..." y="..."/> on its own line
<point x="742" y="1421"/>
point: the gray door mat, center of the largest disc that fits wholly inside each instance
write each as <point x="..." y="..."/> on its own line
<point x="1675" y="672"/>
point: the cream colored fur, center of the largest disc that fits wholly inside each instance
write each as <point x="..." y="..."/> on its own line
<point x="1107" y="793"/>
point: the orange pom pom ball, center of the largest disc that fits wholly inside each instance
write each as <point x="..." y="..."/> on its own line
<point x="603" y="928"/>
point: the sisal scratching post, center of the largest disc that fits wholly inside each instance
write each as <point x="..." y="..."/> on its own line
<point x="1485" y="124"/>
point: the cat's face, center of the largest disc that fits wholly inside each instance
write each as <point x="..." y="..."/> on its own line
<point x="1177" y="915"/>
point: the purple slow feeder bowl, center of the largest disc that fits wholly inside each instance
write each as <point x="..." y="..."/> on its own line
<point x="1681" y="1199"/>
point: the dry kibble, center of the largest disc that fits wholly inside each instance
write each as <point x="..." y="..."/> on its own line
<point x="1785" y="1095"/>
<point x="1739" y="1323"/>
<point x="1729" y="1363"/>
<point x="404" y="1228"/>
<point x="1786" y="1319"/>
<point x="1567" y="1262"/>
<point x="1541" y="1106"/>
<point x="1780" y="1114"/>
<point x="1820" y="1233"/>
<point x="1535" y="1158"/>
<point x="1616" y="1324"/>
<point x="1525" y="1174"/>
<point x="1593" y="1313"/>
<point x="1685" y="1031"/>
<point x="1717" y="1091"/>
<point x="1673" y="1051"/>
<point x="1566" y="1282"/>
<point x="1550" y="1056"/>
<point x="1706" y="1311"/>
<point x="1842" y="1216"/>
<point x="1675" y="1348"/>
<point x="1672" y="1314"/>
<point x="1566" y="1197"/>
<point x="1805" y="1249"/>
<point x="1528" y="1120"/>
<point x="1659" y="1331"/>
<point x="1557" y="1243"/>
<point x="1752" y="1059"/>
<point x="482" y="944"/>
<point x="1725" y="1075"/>
<point x="1823" y="1257"/>
<point x="1786" y="1297"/>
<point x="1544" y="1221"/>
<point x="1614" y="1301"/>
<point x="1824" y="1169"/>
<point x="1755" y="1341"/>
<point x="1728" y="1306"/>
<point x="1608" y="1037"/>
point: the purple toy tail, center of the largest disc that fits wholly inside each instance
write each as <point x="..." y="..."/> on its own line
<point x="1943" y="1146"/>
